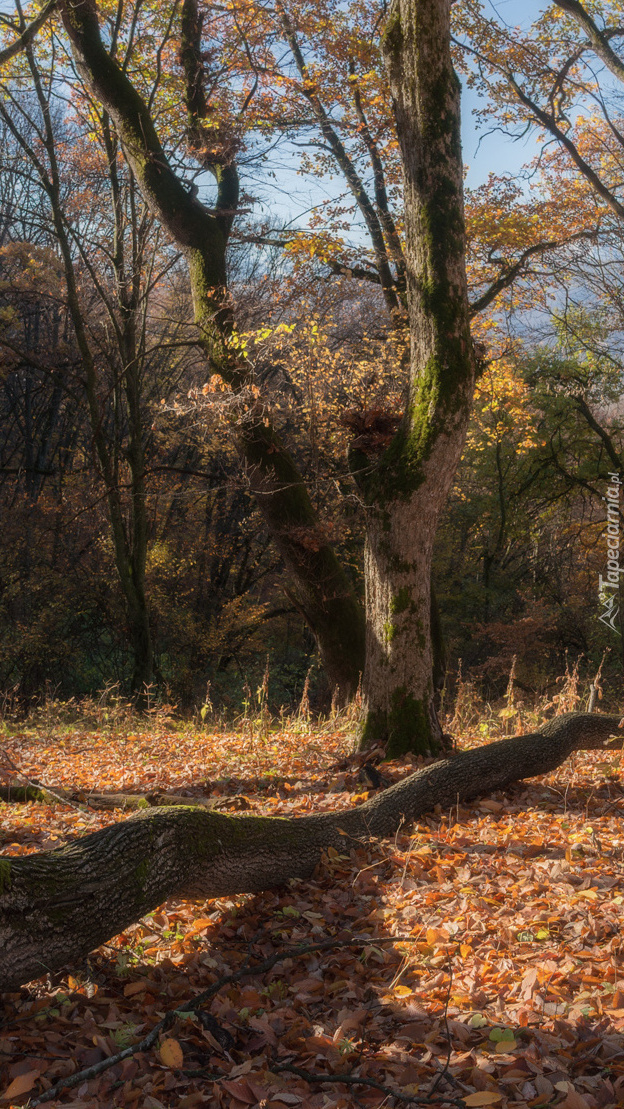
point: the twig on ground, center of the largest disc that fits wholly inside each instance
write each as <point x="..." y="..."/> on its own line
<point x="444" y="1071"/>
<point x="358" y="1080"/>
<point x="191" y="1006"/>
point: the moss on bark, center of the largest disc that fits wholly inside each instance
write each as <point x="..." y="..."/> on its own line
<point x="404" y="729"/>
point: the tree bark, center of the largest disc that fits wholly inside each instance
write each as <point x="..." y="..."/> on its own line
<point x="57" y="906"/>
<point x="407" y="488"/>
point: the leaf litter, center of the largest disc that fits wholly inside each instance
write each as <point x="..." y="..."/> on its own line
<point x="510" y="991"/>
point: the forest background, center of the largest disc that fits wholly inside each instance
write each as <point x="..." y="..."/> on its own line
<point x="116" y="450"/>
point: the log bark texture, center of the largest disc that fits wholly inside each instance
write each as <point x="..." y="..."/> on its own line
<point x="57" y="906"/>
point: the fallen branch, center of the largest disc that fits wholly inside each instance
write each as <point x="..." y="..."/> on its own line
<point x="15" y="793"/>
<point x="31" y="791"/>
<point x="57" y="906"/>
<point x="200" y="1000"/>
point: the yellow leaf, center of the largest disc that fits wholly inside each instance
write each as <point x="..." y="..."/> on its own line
<point x="171" y="1054"/>
<point x="21" y="1085"/>
<point x="483" y="1097"/>
<point x="402" y="991"/>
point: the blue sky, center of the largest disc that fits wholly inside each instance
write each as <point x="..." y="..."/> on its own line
<point x="289" y="197"/>
<point x="495" y="152"/>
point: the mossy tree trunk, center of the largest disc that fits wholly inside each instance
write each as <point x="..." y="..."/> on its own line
<point x="407" y="488"/>
<point x="320" y="587"/>
<point x="57" y="906"/>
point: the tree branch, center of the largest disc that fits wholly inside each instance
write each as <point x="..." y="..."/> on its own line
<point x="509" y="275"/>
<point x="28" y="33"/>
<point x="548" y="122"/>
<point x="603" y="435"/>
<point x="598" y="39"/>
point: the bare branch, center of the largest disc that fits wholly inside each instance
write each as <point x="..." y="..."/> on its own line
<point x="514" y="271"/>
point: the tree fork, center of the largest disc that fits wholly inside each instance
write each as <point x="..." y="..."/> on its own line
<point x="57" y="906"/>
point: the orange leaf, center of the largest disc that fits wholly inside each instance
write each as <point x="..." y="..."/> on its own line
<point x="171" y="1054"/>
<point x="199" y="925"/>
<point x="483" y="1097"/>
<point x="434" y="936"/>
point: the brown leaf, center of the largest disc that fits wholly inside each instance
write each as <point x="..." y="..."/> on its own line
<point x="483" y="1097"/>
<point x="241" y="1091"/>
<point x="21" y="1085"/>
<point x="135" y="987"/>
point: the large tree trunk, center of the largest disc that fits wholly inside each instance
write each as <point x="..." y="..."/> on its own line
<point x="57" y="906"/>
<point x="320" y="588"/>
<point x="407" y="489"/>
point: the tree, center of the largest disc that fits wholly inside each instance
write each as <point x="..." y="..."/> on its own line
<point x="56" y="906"/>
<point x="116" y="407"/>
<point x="555" y="78"/>
<point x="321" y="589"/>
<point x="419" y="465"/>
<point x="404" y="487"/>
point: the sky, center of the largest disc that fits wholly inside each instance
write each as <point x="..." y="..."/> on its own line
<point x="485" y="153"/>
<point x="288" y="197"/>
<point x="490" y="153"/>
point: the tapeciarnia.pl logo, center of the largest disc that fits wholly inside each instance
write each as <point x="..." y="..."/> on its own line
<point x="609" y="585"/>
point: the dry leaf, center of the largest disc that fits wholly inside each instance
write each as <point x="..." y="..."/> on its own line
<point x="171" y="1054"/>
<point x="241" y="1091"/>
<point x="483" y="1097"/>
<point x="21" y="1085"/>
<point x="574" y="1100"/>
<point x="135" y="987"/>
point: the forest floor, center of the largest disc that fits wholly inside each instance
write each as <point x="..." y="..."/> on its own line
<point x="508" y="989"/>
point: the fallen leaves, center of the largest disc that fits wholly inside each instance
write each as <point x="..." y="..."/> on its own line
<point x="484" y="1097"/>
<point x="513" y="906"/>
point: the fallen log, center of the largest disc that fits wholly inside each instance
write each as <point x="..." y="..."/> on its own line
<point x="57" y="906"/>
<point x="15" y="793"/>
